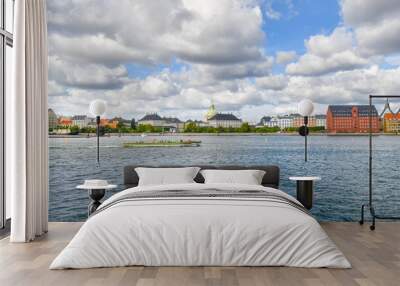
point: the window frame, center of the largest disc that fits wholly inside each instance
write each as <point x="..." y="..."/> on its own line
<point x="6" y="39"/>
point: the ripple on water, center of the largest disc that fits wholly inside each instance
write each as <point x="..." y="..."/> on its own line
<point x="342" y="162"/>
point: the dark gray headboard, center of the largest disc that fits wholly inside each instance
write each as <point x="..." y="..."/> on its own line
<point x="271" y="177"/>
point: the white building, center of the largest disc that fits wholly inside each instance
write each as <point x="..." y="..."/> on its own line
<point x="320" y="120"/>
<point x="225" y="120"/>
<point x="273" y="122"/>
<point x="171" y="124"/>
<point x="285" y="121"/>
<point x="198" y="123"/>
<point x="80" y="120"/>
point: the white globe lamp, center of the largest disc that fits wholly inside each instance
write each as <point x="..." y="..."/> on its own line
<point x="98" y="108"/>
<point x="306" y="107"/>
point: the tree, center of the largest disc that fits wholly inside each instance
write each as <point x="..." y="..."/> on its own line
<point x="190" y="127"/>
<point x="133" y="123"/>
<point x="220" y="129"/>
<point x="120" y="124"/>
<point x="245" y="127"/>
<point x="146" y="128"/>
<point x="74" y="130"/>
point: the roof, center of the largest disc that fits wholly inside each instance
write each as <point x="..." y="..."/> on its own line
<point x="151" y="117"/>
<point x="120" y="119"/>
<point x="224" y="116"/>
<point x="64" y="119"/>
<point x="285" y="117"/>
<point x="172" y="120"/>
<point x="79" y="117"/>
<point x="390" y="116"/>
<point x="264" y="120"/>
<point x="320" y="116"/>
<point x="346" y="110"/>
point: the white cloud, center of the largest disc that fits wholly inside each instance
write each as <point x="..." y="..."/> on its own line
<point x="324" y="46"/>
<point x="326" y="54"/>
<point x="274" y="82"/>
<point x="153" y="32"/>
<point x="376" y="24"/>
<point x="380" y="39"/>
<point x="360" y="12"/>
<point x="310" y="64"/>
<point x="89" y="76"/>
<point x="237" y="71"/>
<point x="284" y="57"/>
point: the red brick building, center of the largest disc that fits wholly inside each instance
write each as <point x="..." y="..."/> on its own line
<point x="351" y="119"/>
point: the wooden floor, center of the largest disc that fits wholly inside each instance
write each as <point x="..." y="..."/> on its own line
<point x="375" y="257"/>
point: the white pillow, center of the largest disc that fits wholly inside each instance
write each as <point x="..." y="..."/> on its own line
<point x="166" y="176"/>
<point x="248" y="177"/>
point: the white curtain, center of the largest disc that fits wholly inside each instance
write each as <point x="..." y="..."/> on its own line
<point x="28" y="123"/>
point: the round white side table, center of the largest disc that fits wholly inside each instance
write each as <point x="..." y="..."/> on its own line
<point x="96" y="193"/>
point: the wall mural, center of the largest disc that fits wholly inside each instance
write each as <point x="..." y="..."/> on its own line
<point x="220" y="83"/>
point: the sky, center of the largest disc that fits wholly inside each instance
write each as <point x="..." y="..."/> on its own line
<point x="248" y="57"/>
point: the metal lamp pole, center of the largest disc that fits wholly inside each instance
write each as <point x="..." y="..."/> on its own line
<point x="305" y="137"/>
<point x="98" y="108"/>
<point x="98" y="138"/>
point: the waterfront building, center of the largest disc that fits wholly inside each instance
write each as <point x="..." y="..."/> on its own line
<point x="169" y="124"/>
<point x="298" y="120"/>
<point x="104" y="122"/>
<point x="124" y="122"/>
<point x="320" y="120"/>
<point x="152" y="119"/>
<point x="391" y="123"/>
<point x="273" y="122"/>
<point x="53" y="120"/>
<point x="173" y="124"/>
<point x="112" y="123"/>
<point x="351" y="119"/>
<point x="225" y="120"/>
<point x="80" y="120"/>
<point x="198" y="123"/>
<point x="285" y="121"/>
<point x="65" y="121"/>
<point x="264" y="120"/>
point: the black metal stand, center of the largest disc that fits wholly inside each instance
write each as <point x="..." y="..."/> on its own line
<point x="96" y="195"/>
<point x="304" y="193"/>
<point x="370" y="203"/>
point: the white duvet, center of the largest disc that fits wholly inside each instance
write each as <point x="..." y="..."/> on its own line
<point x="193" y="231"/>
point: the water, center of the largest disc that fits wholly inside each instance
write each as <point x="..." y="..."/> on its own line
<point x="341" y="162"/>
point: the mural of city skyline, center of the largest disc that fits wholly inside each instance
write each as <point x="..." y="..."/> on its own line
<point x="338" y="119"/>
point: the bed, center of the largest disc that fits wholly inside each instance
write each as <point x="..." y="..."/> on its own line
<point x="199" y="224"/>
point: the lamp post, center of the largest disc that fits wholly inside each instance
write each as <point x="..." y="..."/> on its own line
<point x="98" y="108"/>
<point x="305" y="108"/>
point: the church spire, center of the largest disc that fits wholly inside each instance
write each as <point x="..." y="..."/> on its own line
<point x="211" y="110"/>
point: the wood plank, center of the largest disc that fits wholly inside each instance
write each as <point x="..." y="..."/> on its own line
<point x="375" y="257"/>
